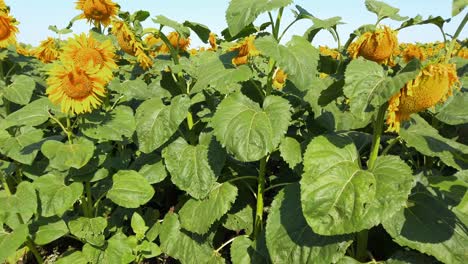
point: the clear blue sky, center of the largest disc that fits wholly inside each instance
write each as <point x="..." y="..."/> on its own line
<point x="36" y="16"/>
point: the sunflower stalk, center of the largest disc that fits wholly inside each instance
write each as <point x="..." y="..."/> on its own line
<point x="258" y="225"/>
<point x="455" y="37"/>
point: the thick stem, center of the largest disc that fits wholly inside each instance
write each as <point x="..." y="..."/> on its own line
<point x="89" y="200"/>
<point x="32" y="247"/>
<point x="455" y="37"/>
<point x="260" y="191"/>
<point x="278" y="23"/>
<point x="378" y="127"/>
<point x="361" y="252"/>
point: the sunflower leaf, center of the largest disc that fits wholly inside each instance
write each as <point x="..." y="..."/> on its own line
<point x="130" y="189"/>
<point x="21" y="90"/>
<point x="458" y="6"/>
<point x="383" y="10"/>
<point x="63" y="156"/>
<point x="181" y="29"/>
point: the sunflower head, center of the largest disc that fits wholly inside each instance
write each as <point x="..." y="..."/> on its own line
<point x="212" y="41"/>
<point x="47" y="51"/>
<point x="279" y="80"/>
<point x="433" y="85"/>
<point x="378" y="46"/>
<point x="463" y="53"/>
<point x="124" y="35"/>
<point x="245" y="49"/>
<point x="8" y="29"/>
<point x="85" y="50"/>
<point x="77" y="90"/>
<point x="177" y="42"/>
<point x="97" y="11"/>
<point x="326" y="51"/>
<point x="412" y="51"/>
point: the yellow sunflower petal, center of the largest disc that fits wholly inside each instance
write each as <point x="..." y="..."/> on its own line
<point x="97" y="11"/>
<point x="8" y="30"/>
<point x="245" y="49"/>
<point x="378" y="46"/>
<point x="47" y="51"/>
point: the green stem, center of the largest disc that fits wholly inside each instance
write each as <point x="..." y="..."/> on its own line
<point x="272" y="22"/>
<point x="5" y="183"/>
<point x="277" y="185"/>
<point x="278" y="23"/>
<point x="455" y="37"/>
<point x="243" y="178"/>
<point x="392" y="143"/>
<point x="2" y="76"/>
<point x="378" y="127"/>
<point x="270" y="77"/>
<point x="32" y="247"/>
<point x="362" y="238"/>
<point x="260" y="191"/>
<point x="89" y="200"/>
<point x="174" y="54"/>
<point x="189" y="120"/>
<point x="287" y="28"/>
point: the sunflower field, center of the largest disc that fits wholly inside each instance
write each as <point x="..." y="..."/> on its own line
<point x="126" y="144"/>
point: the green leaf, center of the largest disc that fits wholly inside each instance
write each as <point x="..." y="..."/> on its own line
<point x="430" y="225"/>
<point x="454" y="111"/>
<point x="458" y="6"/>
<point x="410" y="257"/>
<point x="23" y="202"/>
<point x="63" y="156"/>
<point x="149" y="249"/>
<point x="202" y="31"/>
<point x="130" y="189"/>
<point x="328" y="24"/>
<point x="338" y="197"/>
<point x="23" y="147"/>
<point x="181" y="29"/>
<point x="240" y="220"/>
<point x="241" y="13"/>
<point x="154" y="173"/>
<point x="183" y="246"/>
<point x="418" y="20"/>
<point x="418" y="134"/>
<point x="194" y="169"/>
<point x="116" y="125"/>
<point x="248" y="131"/>
<point x="290" y="239"/>
<point x="243" y="250"/>
<point x="20" y="91"/>
<point x="156" y="122"/>
<point x="299" y="59"/>
<point x="291" y="151"/>
<point x="138" y="226"/>
<point x="56" y="197"/>
<point x="50" y="232"/>
<point x="383" y="10"/>
<point x="10" y="242"/>
<point x="32" y="114"/>
<point x="135" y="89"/>
<point x="90" y="230"/>
<point x="211" y="71"/>
<point x="197" y="216"/>
<point x="76" y="257"/>
<point x="119" y="249"/>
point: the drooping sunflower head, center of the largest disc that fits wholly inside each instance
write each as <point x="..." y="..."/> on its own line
<point x="326" y="51"/>
<point x="77" y="90"/>
<point x="84" y="51"/>
<point x="279" y="80"/>
<point x="245" y="49"/>
<point x="97" y="11"/>
<point x="48" y="50"/>
<point x="412" y="51"/>
<point x="463" y="53"/>
<point x="212" y="41"/>
<point x="8" y="29"/>
<point x="177" y="41"/>
<point x="433" y="85"/>
<point x="378" y="46"/>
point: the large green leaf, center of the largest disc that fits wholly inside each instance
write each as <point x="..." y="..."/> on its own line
<point x="290" y="239"/>
<point x="90" y="230"/>
<point x="417" y="133"/>
<point x="23" y="147"/>
<point x="338" y="197"/>
<point x="328" y="24"/>
<point x="32" y="114"/>
<point x="119" y="249"/>
<point x="198" y="215"/>
<point x="20" y="91"/>
<point x="454" y="111"/>
<point x="458" y="6"/>
<point x="240" y="13"/>
<point x="56" y="197"/>
<point x="240" y="220"/>
<point x="211" y="71"/>
<point x="183" y="246"/>
<point x="76" y="257"/>
<point x="10" y="242"/>
<point x="194" y="169"/>
<point x="243" y="250"/>
<point x="130" y="189"/>
<point x="181" y="29"/>
<point x="138" y="226"/>
<point x="299" y="59"/>
<point x="291" y="151"/>
<point x="248" y="131"/>
<point x="156" y="122"/>
<point x="383" y="10"/>
<point x="136" y="89"/>
<point x="116" y="125"/>
<point x="431" y="225"/>
<point x="23" y="202"/>
<point x="202" y="31"/>
<point x="63" y="156"/>
<point x="50" y="232"/>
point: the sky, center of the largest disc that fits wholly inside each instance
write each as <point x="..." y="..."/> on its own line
<point x="36" y="16"/>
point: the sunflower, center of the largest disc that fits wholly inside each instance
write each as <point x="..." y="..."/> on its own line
<point x="47" y="51"/>
<point x="245" y="50"/>
<point x="412" y="51"/>
<point x="177" y="42"/>
<point x="97" y="11"/>
<point x="279" y="80"/>
<point x="433" y="85"/>
<point x="326" y="51"/>
<point x="153" y="43"/>
<point x="8" y="29"/>
<point x="23" y="50"/>
<point x="83" y="50"/>
<point x="78" y="90"/>
<point x="212" y="41"/>
<point x="130" y="44"/>
<point x="378" y="46"/>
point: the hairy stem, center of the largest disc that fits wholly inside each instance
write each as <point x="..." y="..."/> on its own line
<point x="378" y="127"/>
<point x="260" y="192"/>
<point x="361" y="253"/>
